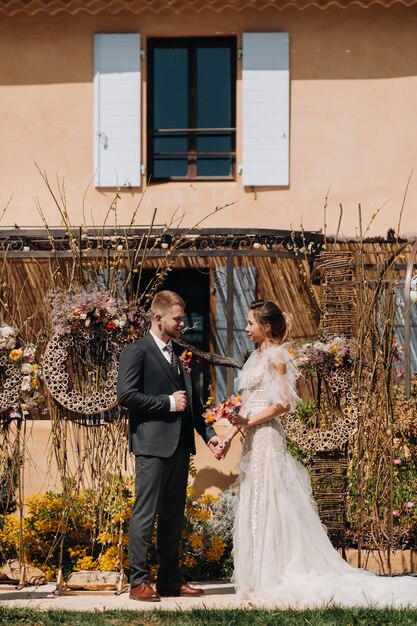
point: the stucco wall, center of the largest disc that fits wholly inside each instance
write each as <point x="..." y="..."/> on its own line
<point x="41" y="473"/>
<point x="353" y="124"/>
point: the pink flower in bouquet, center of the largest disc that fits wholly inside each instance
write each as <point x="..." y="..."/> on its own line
<point x="396" y="514"/>
<point x="397" y="462"/>
<point x="219" y="411"/>
<point x="409" y="505"/>
<point x="232" y="404"/>
<point x="222" y="410"/>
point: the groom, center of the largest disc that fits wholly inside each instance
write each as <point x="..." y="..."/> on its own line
<point x="164" y="409"/>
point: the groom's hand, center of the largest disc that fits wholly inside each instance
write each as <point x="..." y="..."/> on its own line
<point x="216" y="446"/>
<point x="180" y="398"/>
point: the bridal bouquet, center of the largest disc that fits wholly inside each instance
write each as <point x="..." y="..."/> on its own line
<point x="222" y="410"/>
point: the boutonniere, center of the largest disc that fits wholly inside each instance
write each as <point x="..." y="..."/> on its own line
<point x="185" y="359"/>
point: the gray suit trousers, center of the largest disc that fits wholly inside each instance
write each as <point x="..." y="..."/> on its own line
<point x="161" y="485"/>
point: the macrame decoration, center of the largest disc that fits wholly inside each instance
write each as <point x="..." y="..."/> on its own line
<point x="320" y="440"/>
<point x="101" y="397"/>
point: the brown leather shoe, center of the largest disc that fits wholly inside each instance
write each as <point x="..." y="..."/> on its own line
<point x="144" y="593"/>
<point x="178" y="589"/>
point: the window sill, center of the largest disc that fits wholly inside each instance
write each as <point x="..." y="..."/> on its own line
<point x="202" y="183"/>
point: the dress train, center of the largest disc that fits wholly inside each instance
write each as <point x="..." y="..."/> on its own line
<point x="282" y="555"/>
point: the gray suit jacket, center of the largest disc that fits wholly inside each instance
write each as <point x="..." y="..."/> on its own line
<point x="145" y="381"/>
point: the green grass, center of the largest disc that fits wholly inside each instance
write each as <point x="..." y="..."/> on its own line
<point x="199" y="617"/>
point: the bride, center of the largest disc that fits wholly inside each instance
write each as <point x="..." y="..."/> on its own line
<point x="282" y="555"/>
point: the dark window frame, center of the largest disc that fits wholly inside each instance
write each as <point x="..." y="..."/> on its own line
<point x="192" y="44"/>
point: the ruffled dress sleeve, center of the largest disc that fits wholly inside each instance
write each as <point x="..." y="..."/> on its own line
<point x="281" y="388"/>
<point x="261" y="380"/>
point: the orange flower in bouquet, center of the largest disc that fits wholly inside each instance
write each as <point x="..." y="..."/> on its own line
<point x="223" y="410"/>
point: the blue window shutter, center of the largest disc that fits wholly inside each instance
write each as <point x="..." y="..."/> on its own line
<point x="117" y="110"/>
<point x="265" y="109"/>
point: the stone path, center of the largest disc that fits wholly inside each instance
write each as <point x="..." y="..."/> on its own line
<point x="217" y="595"/>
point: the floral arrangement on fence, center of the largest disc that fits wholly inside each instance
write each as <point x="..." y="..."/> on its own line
<point x="327" y="352"/>
<point x="222" y="410"/>
<point x="8" y="337"/>
<point x="204" y="553"/>
<point x="96" y="310"/>
<point x="22" y="358"/>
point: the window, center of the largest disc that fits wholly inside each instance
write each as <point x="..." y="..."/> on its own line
<point x="191" y="108"/>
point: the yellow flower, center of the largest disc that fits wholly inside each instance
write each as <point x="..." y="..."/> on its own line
<point x="16" y="355"/>
<point x="50" y="572"/>
<point x="153" y="570"/>
<point x="215" y="551"/>
<point x="196" y="541"/>
<point x="197" y="513"/>
<point x="9" y="533"/>
<point x="87" y="562"/>
<point x="77" y="552"/>
<point x="110" y="560"/>
<point x="188" y="561"/>
<point x="208" y="498"/>
<point x="35" y="383"/>
<point x="106" y="537"/>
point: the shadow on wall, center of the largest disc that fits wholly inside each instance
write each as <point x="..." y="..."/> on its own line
<point x="208" y="478"/>
<point x="358" y="44"/>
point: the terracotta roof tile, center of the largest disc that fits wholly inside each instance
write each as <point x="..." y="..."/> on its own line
<point x="93" y="7"/>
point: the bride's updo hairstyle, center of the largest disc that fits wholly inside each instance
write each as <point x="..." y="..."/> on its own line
<point x="267" y="312"/>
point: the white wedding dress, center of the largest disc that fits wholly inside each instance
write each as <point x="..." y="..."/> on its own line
<point x="282" y="555"/>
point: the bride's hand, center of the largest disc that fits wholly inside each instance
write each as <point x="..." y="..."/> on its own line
<point x="238" y="420"/>
<point x="226" y="447"/>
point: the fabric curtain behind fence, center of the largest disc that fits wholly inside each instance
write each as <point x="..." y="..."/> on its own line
<point x="244" y="280"/>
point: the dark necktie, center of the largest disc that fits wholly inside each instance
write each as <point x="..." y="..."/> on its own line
<point x="172" y="356"/>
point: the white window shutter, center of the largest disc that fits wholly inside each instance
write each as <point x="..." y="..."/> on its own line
<point x="117" y="110"/>
<point x="265" y="109"/>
